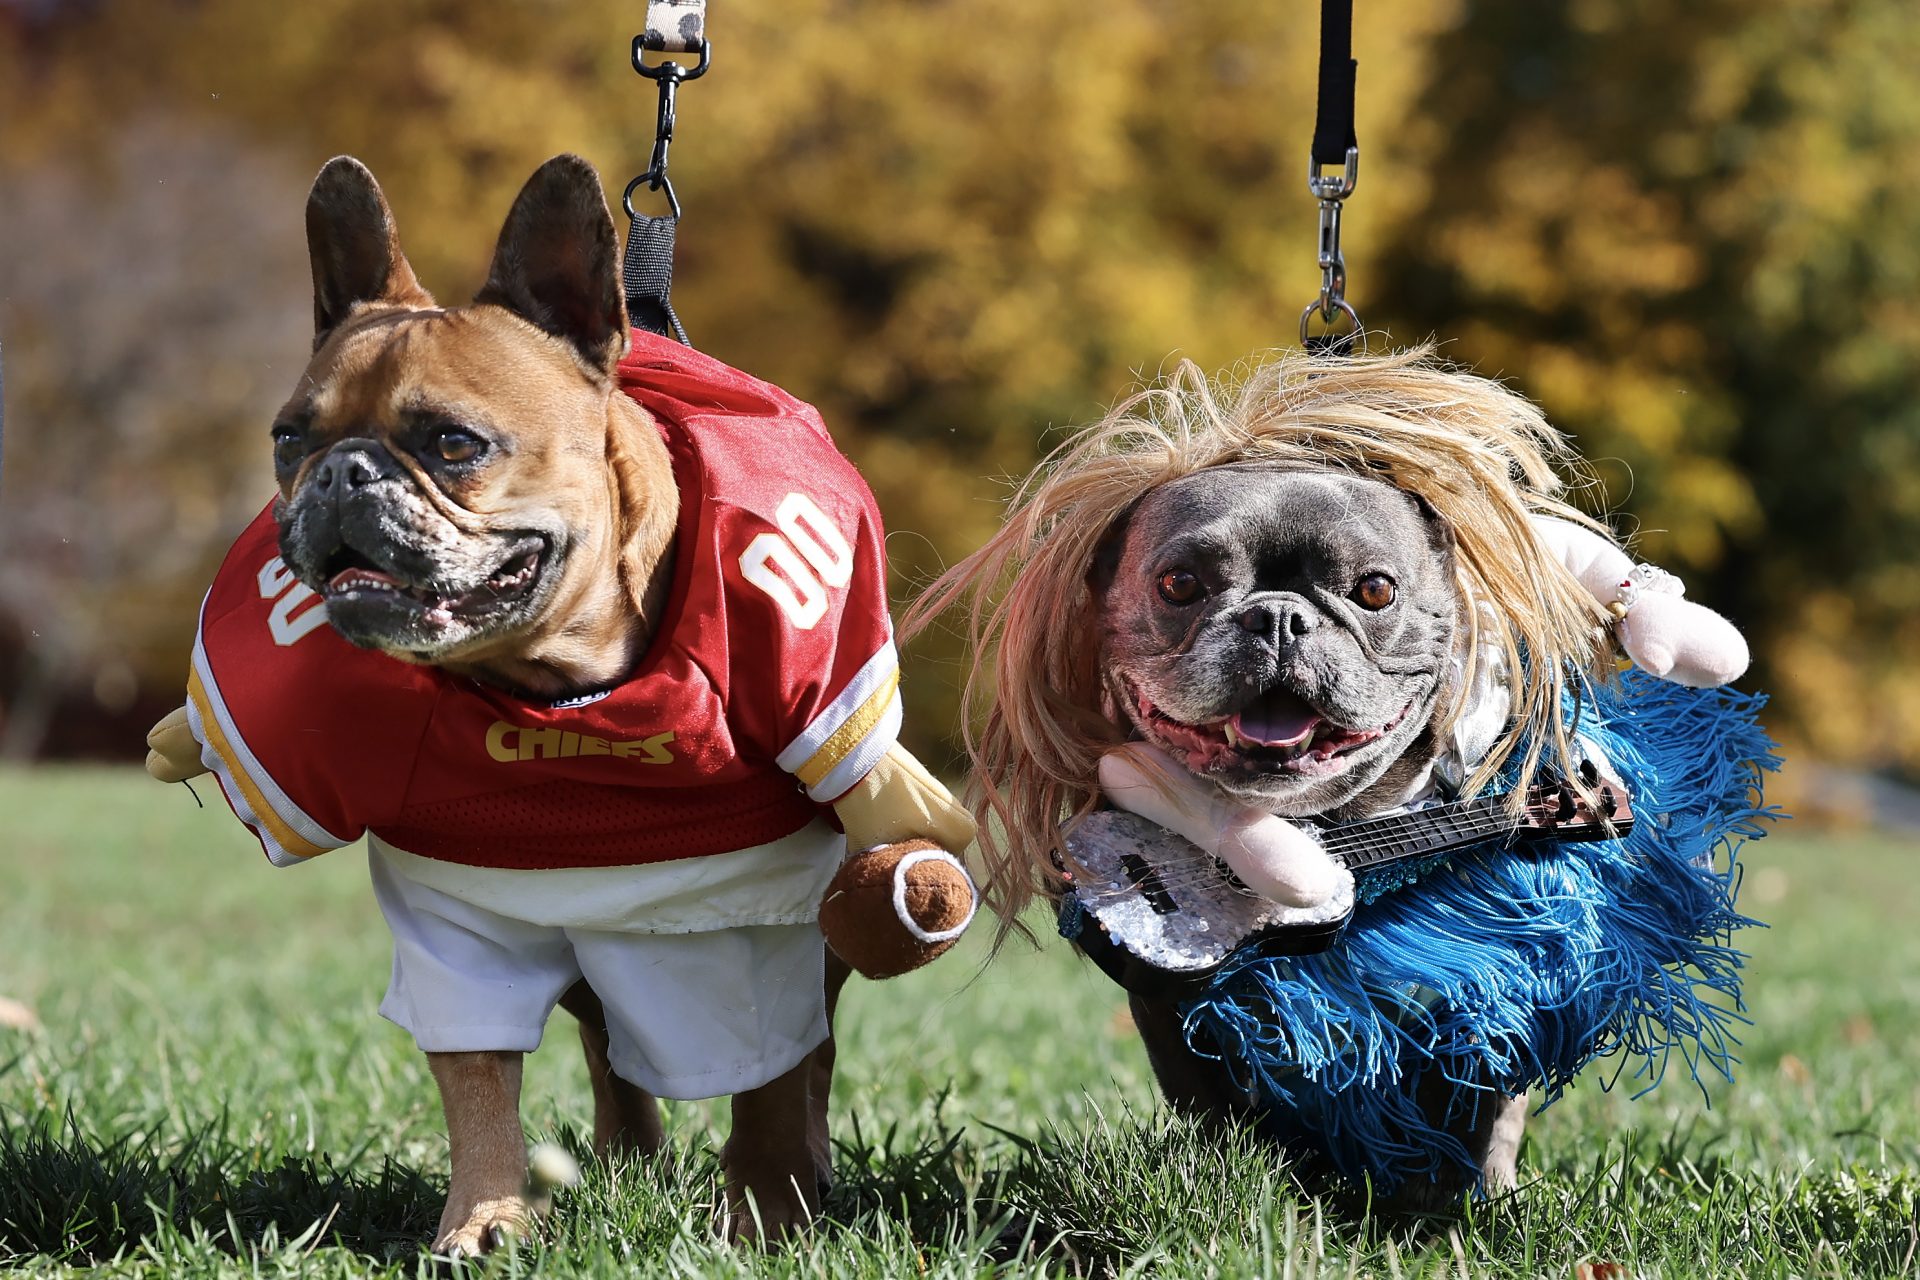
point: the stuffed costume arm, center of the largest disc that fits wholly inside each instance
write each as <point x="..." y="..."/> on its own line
<point x="902" y="897"/>
<point x="1664" y="633"/>
<point x="899" y="800"/>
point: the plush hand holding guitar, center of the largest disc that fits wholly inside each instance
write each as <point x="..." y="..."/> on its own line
<point x="1272" y="856"/>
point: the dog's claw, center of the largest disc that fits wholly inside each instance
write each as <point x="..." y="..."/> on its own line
<point x="488" y="1228"/>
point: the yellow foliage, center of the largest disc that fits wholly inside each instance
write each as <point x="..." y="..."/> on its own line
<point x="1686" y="230"/>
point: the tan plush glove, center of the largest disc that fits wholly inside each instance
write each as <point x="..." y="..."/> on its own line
<point x="173" y="753"/>
<point x="899" y="800"/>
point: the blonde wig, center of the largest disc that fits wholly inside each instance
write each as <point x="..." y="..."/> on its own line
<point x="1480" y="454"/>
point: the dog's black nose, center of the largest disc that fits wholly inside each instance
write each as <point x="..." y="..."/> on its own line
<point x="1284" y="620"/>
<point x="350" y="466"/>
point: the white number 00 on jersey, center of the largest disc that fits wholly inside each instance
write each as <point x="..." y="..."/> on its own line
<point x="796" y="565"/>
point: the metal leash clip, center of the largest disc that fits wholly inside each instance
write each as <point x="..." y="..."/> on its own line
<point x="1331" y="190"/>
<point x="669" y="76"/>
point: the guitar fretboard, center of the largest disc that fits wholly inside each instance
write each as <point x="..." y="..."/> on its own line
<point x="1401" y="836"/>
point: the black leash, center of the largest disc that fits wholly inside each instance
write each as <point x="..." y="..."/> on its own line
<point x="1333" y="118"/>
<point x="646" y="270"/>
<point x="1334" y="145"/>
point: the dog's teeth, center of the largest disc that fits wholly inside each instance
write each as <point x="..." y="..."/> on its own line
<point x="1233" y="735"/>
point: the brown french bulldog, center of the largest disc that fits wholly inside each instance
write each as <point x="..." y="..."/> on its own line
<point x="472" y="490"/>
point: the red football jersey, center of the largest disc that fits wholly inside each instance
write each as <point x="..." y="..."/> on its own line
<point x="769" y="689"/>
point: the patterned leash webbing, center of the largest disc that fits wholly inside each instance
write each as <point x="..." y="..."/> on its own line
<point x="676" y="26"/>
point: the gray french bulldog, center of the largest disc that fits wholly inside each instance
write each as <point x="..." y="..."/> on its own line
<point x="1289" y="636"/>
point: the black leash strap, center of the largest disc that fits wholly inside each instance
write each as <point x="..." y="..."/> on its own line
<point x="1333" y="118"/>
<point x="1333" y="170"/>
<point x="646" y="271"/>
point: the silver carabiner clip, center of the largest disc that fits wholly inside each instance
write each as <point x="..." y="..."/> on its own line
<point x="1334" y="186"/>
<point x="1331" y="190"/>
<point x="1341" y="343"/>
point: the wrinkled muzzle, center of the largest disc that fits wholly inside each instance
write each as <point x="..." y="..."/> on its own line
<point x="395" y="572"/>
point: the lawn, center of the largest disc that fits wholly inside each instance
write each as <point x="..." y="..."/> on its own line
<point x="213" y="1093"/>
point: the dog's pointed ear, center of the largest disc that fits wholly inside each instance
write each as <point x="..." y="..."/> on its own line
<point x="354" y="247"/>
<point x="558" y="265"/>
<point x="1106" y="555"/>
<point x="1440" y="535"/>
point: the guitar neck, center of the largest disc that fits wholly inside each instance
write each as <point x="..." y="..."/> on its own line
<point x="1399" y="837"/>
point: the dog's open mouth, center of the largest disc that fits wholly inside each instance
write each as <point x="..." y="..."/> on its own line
<point x="1278" y="733"/>
<point x="353" y="578"/>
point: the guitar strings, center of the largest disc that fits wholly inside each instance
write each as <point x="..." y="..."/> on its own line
<point x="1200" y="869"/>
<point x="1371" y="853"/>
<point x="1441" y="828"/>
<point x="1464" y="826"/>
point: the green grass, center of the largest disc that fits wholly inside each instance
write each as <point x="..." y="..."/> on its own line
<point x="213" y="1093"/>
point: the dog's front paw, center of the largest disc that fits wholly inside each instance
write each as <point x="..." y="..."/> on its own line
<point x="471" y="1229"/>
<point x="772" y="1188"/>
<point x="767" y="1214"/>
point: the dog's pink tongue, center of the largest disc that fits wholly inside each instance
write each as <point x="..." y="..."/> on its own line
<point x="1279" y="719"/>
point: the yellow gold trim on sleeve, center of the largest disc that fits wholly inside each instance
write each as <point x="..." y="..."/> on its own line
<point x="848" y="736"/>
<point x="283" y="835"/>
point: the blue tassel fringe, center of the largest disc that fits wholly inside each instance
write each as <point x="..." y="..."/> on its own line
<point x="1506" y="970"/>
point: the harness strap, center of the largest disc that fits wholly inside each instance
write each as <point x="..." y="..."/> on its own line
<point x="646" y="274"/>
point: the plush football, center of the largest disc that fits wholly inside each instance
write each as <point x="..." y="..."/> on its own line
<point x="892" y="908"/>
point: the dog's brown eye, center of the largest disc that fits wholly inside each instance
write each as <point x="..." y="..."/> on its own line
<point x="288" y="446"/>
<point x="455" y="445"/>
<point x="1177" y="586"/>
<point x="1375" y="591"/>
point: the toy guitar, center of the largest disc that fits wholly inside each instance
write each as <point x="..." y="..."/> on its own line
<point x="1160" y="915"/>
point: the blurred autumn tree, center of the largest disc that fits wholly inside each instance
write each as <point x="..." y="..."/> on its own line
<point x="954" y="225"/>
<point x="1693" y="233"/>
<point x="146" y="326"/>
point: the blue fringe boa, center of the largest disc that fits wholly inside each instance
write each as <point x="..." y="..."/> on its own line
<point x="1506" y="971"/>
